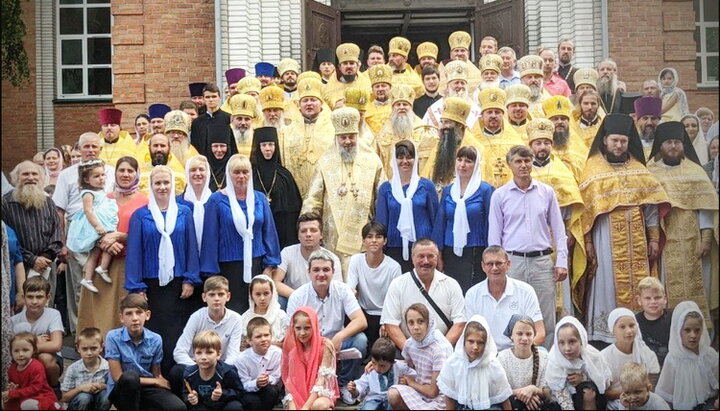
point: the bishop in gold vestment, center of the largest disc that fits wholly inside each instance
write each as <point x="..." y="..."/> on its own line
<point x="690" y="226"/>
<point x="347" y="75"/>
<point x="344" y="187"/>
<point x="623" y="207"/>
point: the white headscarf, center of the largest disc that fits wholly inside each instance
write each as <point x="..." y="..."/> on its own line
<point x="699" y="144"/>
<point x="590" y="361"/>
<point x="433" y="334"/>
<point x="461" y="226"/>
<point x="640" y="350"/>
<point x="165" y="226"/>
<point x="198" y="204"/>
<point x="687" y="379"/>
<point x="472" y="379"/>
<point x="406" y="222"/>
<point x="274" y="313"/>
<point x="243" y="225"/>
<point x="682" y="98"/>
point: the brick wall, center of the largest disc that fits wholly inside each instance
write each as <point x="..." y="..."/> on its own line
<point x="648" y="35"/>
<point x="19" y="132"/>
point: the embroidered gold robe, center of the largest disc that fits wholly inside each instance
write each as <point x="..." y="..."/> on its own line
<point x="177" y="169"/>
<point x="334" y="90"/>
<point x="574" y="155"/>
<point x="493" y="150"/>
<point x="112" y="152"/>
<point x="377" y="115"/>
<point x="409" y="78"/>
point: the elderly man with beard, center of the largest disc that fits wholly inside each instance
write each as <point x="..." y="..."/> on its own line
<point x="31" y="213"/>
<point x="346" y="75"/>
<point x="565" y="68"/>
<point x="405" y="125"/>
<point x="567" y="146"/>
<point x="531" y="74"/>
<point x="549" y="170"/>
<point x="68" y="202"/>
<point x="621" y="221"/>
<point x="402" y="74"/>
<point x="610" y="88"/>
<point x="159" y="154"/>
<point x="490" y="67"/>
<point x="457" y="86"/>
<point x="116" y="143"/>
<point x="344" y="187"/>
<point x="689" y="226"/>
<point x="304" y="141"/>
<point x="272" y="102"/>
<point x="243" y="113"/>
<point x="517" y="103"/>
<point x="552" y="82"/>
<point x="648" y="111"/>
<point x="460" y="42"/>
<point x="494" y="138"/>
<point x="177" y="124"/>
<point x="378" y="111"/>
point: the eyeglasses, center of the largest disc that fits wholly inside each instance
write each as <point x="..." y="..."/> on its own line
<point x="494" y="263"/>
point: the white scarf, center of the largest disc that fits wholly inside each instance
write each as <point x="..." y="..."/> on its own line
<point x="165" y="226"/>
<point x="687" y="379"/>
<point x="699" y="144"/>
<point x="406" y="222"/>
<point x="589" y="362"/>
<point x="640" y="350"/>
<point x="461" y="226"/>
<point x="432" y="335"/>
<point x="243" y="225"/>
<point x="198" y="204"/>
<point x="470" y="379"/>
<point x="274" y="313"/>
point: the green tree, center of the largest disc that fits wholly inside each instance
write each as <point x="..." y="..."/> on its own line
<point x="15" y="66"/>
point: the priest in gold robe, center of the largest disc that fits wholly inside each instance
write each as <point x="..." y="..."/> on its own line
<point x="690" y="227"/>
<point x="272" y="103"/>
<point x="621" y="221"/>
<point x="405" y="125"/>
<point x="344" y="187"/>
<point x="378" y="110"/>
<point x="531" y="74"/>
<point x="460" y="46"/>
<point x="359" y="99"/>
<point x="347" y="74"/>
<point x="160" y="154"/>
<point x="587" y="116"/>
<point x="398" y="51"/>
<point x="550" y="170"/>
<point x="116" y="143"/>
<point x="517" y="103"/>
<point x="177" y="128"/>
<point x="304" y="141"/>
<point x="494" y="138"/>
<point x="456" y="75"/>
<point x="242" y="111"/>
<point x="567" y="146"/>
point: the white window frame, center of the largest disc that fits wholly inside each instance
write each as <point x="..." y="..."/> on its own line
<point x="703" y="54"/>
<point x="84" y="66"/>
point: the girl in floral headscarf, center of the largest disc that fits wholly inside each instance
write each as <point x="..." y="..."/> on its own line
<point x="675" y="103"/>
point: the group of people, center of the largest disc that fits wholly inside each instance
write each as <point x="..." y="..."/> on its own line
<point x="434" y="221"/>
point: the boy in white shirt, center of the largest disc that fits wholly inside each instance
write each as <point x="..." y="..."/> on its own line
<point x="259" y="368"/>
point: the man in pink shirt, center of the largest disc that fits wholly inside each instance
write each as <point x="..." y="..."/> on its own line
<point x="553" y="83"/>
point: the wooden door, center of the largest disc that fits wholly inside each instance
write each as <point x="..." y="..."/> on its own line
<point x="322" y="30"/>
<point x="504" y="20"/>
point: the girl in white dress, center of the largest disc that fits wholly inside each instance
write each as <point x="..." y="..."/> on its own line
<point x="264" y="303"/>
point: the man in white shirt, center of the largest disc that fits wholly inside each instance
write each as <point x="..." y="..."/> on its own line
<point x="404" y="292"/>
<point x="68" y="202"/>
<point x="499" y="297"/>
<point x="333" y="301"/>
<point x="293" y="268"/>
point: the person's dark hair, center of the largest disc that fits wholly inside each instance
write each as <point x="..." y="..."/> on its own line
<point x="404" y="148"/>
<point x="133" y="300"/>
<point x="84" y="172"/>
<point x="257" y="322"/>
<point x="187" y="104"/>
<point x="374" y="227"/>
<point x="588" y="93"/>
<point x="141" y="115"/>
<point x="522" y="151"/>
<point x="130" y="160"/>
<point x="468" y="152"/>
<point x="311" y="216"/>
<point x="211" y="87"/>
<point x="383" y="349"/>
<point x="419" y="308"/>
<point x="36" y="283"/>
<point x="600" y="400"/>
<point x="430" y="70"/>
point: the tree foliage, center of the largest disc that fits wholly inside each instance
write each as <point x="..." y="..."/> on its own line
<point x="15" y="66"/>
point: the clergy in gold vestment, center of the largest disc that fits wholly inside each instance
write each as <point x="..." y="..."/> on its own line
<point x="177" y="127"/>
<point x="242" y="115"/>
<point x="347" y="75"/>
<point x="116" y="143"/>
<point x="552" y="171"/>
<point x="494" y="138"/>
<point x="460" y="43"/>
<point x="457" y="86"/>
<point x="305" y="140"/>
<point x="621" y="221"/>
<point x="531" y="74"/>
<point x="160" y="154"/>
<point x="567" y="146"/>
<point x="378" y="111"/>
<point x="359" y="99"/>
<point x="690" y="225"/>
<point x="403" y="74"/>
<point x="405" y="125"/>
<point x="344" y="187"/>
<point x="587" y="116"/>
<point x="517" y="102"/>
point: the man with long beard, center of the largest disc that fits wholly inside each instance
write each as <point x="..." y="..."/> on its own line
<point x="159" y="154"/>
<point x="531" y="74"/>
<point x="686" y="260"/>
<point x="31" y="213"/>
<point x="621" y="221"/>
<point x="346" y="75"/>
<point x="401" y="71"/>
<point x="405" y="125"/>
<point x="272" y="103"/>
<point x="304" y="141"/>
<point x="587" y="115"/>
<point x="243" y="113"/>
<point x="490" y="67"/>
<point x="553" y="172"/>
<point x="177" y="125"/>
<point x="647" y="117"/>
<point x="460" y="42"/>
<point x="567" y="146"/>
<point x="493" y="138"/>
<point x="378" y="111"/>
<point x="610" y="88"/>
<point x="344" y="187"/>
<point x="457" y="86"/>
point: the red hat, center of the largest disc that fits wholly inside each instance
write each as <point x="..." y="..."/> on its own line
<point x="648" y="106"/>
<point x="110" y="116"/>
<point x="234" y="75"/>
